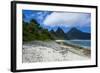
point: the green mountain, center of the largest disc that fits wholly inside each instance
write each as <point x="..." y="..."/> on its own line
<point x="33" y="31"/>
<point x="58" y="34"/>
<point x="75" y="33"/>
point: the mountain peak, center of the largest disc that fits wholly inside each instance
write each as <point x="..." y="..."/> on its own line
<point x="59" y="30"/>
<point x="75" y="33"/>
<point x="74" y="28"/>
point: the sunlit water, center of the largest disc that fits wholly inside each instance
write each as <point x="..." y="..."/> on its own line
<point x="83" y="43"/>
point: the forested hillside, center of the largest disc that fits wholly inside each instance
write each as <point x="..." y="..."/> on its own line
<point x="33" y="31"/>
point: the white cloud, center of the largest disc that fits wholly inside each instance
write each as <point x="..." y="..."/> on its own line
<point x="67" y="19"/>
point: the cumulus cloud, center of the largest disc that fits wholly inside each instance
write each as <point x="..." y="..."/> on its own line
<point x="67" y="19"/>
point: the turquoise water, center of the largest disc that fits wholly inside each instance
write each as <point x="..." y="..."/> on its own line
<point x="83" y="43"/>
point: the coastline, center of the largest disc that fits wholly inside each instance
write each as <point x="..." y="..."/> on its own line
<point x="47" y="51"/>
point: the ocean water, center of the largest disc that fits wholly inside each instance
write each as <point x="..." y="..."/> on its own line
<point x="83" y="43"/>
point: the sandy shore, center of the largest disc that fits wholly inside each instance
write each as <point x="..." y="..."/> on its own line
<point x="39" y="51"/>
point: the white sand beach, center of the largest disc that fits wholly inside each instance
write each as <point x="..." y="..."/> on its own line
<point x="50" y="51"/>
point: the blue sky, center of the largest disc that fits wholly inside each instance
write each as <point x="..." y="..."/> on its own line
<point x="51" y="20"/>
